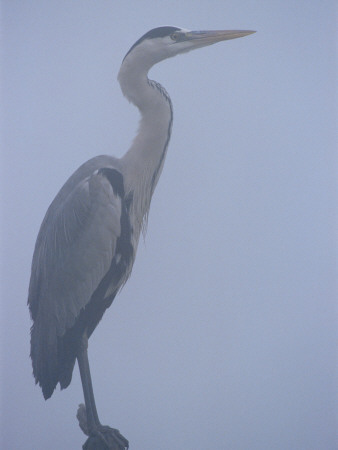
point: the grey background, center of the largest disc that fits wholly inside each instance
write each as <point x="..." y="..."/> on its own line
<point x="225" y="335"/>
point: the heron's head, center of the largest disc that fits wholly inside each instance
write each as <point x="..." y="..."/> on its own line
<point x="165" y="42"/>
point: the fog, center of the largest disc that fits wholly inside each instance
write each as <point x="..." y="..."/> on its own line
<point x="225" y="334"/>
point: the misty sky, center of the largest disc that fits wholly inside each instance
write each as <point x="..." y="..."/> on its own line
<point x="225" y="335"/>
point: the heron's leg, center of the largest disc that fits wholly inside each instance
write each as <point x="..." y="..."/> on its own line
<point x="82" y="359"/>
<point x="100" y="437"/>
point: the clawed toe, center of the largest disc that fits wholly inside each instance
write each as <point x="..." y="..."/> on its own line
<point x="106" y="438"/>
<point x="101" y="437"/>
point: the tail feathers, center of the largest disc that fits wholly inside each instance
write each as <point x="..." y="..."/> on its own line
<point x="44" y="357"/>
<point x="53" y="358"/>
<point x="47" y="388"/>
<point x="65" y="375"/>
<point x="50" y="366"/>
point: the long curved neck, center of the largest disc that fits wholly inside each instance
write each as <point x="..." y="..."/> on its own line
<point x="143" y="162"/>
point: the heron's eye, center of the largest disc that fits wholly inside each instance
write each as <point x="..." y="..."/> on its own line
<point x="174" y="36"/>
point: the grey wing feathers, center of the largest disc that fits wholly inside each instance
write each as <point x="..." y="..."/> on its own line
<point x="73" y="252"/>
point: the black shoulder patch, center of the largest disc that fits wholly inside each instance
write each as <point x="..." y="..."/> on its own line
<point x="115" y="178"/>
<point x="154" y="33"/>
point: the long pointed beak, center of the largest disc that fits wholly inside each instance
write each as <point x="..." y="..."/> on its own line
<point x="201" y="38"/>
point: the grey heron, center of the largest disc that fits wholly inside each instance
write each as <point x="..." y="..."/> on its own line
<point x="88" y="239"/>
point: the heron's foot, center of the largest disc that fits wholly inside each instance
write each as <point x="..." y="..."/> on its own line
<point x="106" y="438"/>
<point x="102" y="437"/>
<point x="81" y="416"/>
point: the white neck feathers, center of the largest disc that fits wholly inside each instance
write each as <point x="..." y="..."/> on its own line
<point x="142" y="164"/>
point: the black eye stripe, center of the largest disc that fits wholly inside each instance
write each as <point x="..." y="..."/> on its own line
<point x="154" y="33"/>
